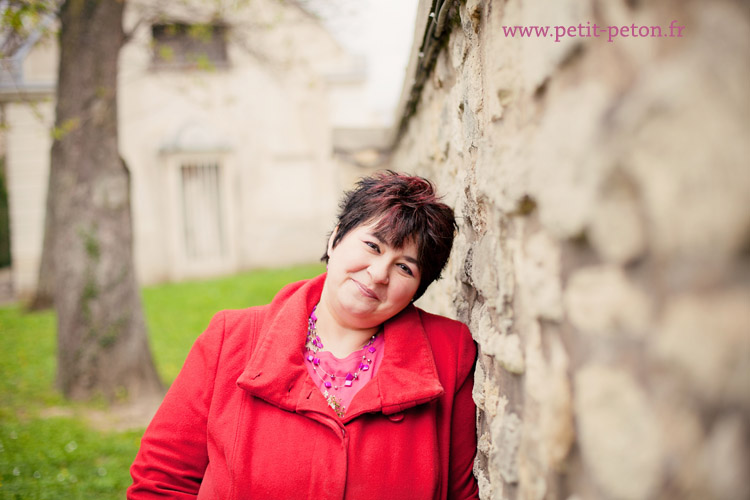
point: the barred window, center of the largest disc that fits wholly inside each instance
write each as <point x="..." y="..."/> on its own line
<point x="189" y="46"/>
<point x="203" y="224"/>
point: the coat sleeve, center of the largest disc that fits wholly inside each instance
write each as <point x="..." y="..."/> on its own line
<point x="463" y="446"/>
<point x="173" y="455"/>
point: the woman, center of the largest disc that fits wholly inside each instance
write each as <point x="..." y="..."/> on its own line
<point x="340" y="388"/>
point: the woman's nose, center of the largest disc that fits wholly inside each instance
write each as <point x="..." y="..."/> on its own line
<point x="379" y="271"/>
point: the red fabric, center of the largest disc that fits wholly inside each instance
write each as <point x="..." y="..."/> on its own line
<point x="244" y="420"/>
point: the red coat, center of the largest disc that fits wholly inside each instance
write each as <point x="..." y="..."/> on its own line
<point x="243" y="420"/>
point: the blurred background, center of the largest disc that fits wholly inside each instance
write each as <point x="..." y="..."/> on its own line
<point x="601" y="185"/>
<point x="240" y="122"/>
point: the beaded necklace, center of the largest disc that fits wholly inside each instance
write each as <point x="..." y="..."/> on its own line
<point x="313" y="344"/>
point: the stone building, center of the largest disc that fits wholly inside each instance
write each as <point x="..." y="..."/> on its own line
<point x="229" y="113"/>
<point x="603" y="259"/>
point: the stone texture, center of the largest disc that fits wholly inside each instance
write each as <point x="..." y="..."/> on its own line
<point x="727" y="460"/>
<point x="565" y="169"/>
<point x="673" y="118"/>
<point x="504" y="347"/>
<point x="504" y="456"/>
<point x="540" y="271"/>
<point x="478" y="393"/>
<point x="485" y="487"/>
<point x="616" y="230"/>
<point x="542" y="56"/>
<point x="494" y="403"/>
<point x="557" y="432"/>
<point x="706" y="339"/>
<point x="490" y="271"/>
<point x="600" y="301"/>
<point x="602" y="264"/>
<point x="548" y="428"/>
<point x="619" y="437"/>
<point x="507" y="350"/>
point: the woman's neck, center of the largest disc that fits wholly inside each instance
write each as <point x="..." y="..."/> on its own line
<point x="338" y="339"/>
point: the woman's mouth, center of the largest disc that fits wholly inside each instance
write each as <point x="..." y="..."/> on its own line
<point x="366" y="291"/>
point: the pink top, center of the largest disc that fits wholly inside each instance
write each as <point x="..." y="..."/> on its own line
<point x="340" y="368"/>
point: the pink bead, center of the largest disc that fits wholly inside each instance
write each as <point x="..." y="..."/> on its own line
<point x="348" y="383"/>
<point x="328" y="385"/>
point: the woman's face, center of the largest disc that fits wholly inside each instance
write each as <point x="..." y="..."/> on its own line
<point x="369" y="281"/>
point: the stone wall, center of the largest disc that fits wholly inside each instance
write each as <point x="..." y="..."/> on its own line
<point x="603" y="259"/>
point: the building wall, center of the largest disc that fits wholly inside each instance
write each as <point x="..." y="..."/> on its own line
<point x="603" y="256"/>
<point x="264" y="119"/>
<point x="27" y="147"/>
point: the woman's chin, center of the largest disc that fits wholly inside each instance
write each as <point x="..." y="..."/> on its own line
<point x="360" y="313"/>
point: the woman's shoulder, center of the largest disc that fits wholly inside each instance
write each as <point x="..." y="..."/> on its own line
<point x="230" y="337"/>
<point x="240" y="318"/>
<point x="233" y="318"/>
<point x="436" y="323"/>
<point x="446" y="332"/>
<point x="452" y="346"/>
<point x="236" y="325"/>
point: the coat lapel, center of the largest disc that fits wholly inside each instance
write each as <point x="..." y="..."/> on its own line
<point x="408" y="374"/>
<point x="275" y="372"/>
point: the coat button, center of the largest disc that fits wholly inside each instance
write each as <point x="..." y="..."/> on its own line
<point x="396" y="417"/>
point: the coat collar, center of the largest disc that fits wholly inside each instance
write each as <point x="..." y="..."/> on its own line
<point x="276" y="372"/>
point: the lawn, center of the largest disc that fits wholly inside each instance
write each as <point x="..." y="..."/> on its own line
<point x="43" y="456"/>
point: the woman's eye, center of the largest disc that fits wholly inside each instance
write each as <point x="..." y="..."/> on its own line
<point x="373" y="246"/>
<point x="406" y="269"/>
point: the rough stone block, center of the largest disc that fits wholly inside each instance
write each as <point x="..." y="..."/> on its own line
<point x="477" y="392"/>
<point x="565" y="161"/>
<point x="619" y="436"/>
<point x="491" y="273"/>
<point x="683" y="132"/>
<point x="541" y="56"/>
<point x="727" y="460"/>
<point x="617" y="231"/>
<point x="506" y="435"/>
<point x="601" y="301"/>
<point x="705" y="338"/>
<point x="507" y="350"/>
<point x="540" y="275"/>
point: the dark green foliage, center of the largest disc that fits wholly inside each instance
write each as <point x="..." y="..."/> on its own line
<point x="20" y="18"/>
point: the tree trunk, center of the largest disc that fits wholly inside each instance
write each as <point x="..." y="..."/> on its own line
<point x="45" y="284"/>
<point x="102" y="342"/>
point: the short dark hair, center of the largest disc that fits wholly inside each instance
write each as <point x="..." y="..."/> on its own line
<point x="406" y="208"/>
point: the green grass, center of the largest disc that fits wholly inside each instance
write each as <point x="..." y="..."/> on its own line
<point x="178" y="313"/>
<point x="62" y="457"/>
